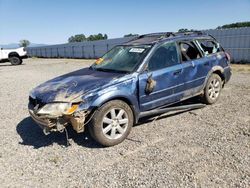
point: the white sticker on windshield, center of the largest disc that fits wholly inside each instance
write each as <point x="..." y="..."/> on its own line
<point x="136" y="50"/>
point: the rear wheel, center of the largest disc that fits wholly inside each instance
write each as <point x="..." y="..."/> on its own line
<point x="112" y="123"/>
<point x="213" y="89"/>
<point x="15" y="60"/>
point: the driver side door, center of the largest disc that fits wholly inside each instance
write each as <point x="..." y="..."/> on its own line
<point x="165" y="71"/>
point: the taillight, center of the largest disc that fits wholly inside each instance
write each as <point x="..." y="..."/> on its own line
<point x="228" y="56"/>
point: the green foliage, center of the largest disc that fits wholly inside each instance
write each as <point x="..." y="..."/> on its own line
<point x="77" y="38"/>
<point x="82" y="37"/>
<point x="24" y="43"/>
<point x="185" y="30"/>
<point x="235" y="25"/>
<point x="131" y="35"/>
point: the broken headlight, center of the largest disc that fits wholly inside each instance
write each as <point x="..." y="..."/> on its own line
<point x="58" y="109"/>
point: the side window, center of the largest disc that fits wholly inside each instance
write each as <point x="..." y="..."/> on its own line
<point x="189" y="51"/>
<point x="164" y="56"/>
<point x="209" y="46"/>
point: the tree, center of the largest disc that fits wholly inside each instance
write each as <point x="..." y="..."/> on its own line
<point x="82" y="37"/>
<point x="235" y="25"/>
<point x="77" y="38"/>
<point x="24" y="43"/>
<point x="131" y="35"/>
<point x="185" y="30"/>
<point x="99" y="36"/>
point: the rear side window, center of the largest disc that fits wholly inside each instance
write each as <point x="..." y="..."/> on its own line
<point x="164" y="56"/>
<point x="189" y="51"/>
<point x="209" y="46"/>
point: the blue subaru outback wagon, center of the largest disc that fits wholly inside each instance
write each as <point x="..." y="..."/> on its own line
<point x="147" y="74"/>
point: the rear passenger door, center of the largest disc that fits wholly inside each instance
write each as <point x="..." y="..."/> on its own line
<point x="195" y="67"/>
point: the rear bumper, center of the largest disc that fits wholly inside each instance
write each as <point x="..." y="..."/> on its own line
<point x="227" y="73"/>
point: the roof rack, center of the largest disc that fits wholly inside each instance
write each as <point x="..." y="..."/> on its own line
<point x="163" y="35"/>
<point x="191" y="32"/>
<point x="169" y="34"/>
<point x="160" y="34"/>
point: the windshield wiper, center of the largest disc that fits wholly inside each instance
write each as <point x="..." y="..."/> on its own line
<point x="91" y="68"/>
<point x="111" y="70"/>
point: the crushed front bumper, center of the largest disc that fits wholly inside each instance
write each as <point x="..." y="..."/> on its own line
<point x="49" y="124"/>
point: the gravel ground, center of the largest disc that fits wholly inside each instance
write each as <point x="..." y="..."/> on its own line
<point x="208" y="147"/>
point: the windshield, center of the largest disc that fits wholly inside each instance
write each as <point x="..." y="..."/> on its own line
<point x="121" y="59"/>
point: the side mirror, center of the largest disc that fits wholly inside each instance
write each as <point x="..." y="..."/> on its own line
<point x="150" y="84"/>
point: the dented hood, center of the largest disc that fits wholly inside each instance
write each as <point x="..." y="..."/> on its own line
<point x="73" y="85"/>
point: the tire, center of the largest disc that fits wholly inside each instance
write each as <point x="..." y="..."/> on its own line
<point x="212" y="90"/>
<point x="111" y="123"/>
<point x="14" y="60"/>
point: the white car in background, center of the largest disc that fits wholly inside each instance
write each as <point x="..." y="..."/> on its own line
<point x="14" y="56"/>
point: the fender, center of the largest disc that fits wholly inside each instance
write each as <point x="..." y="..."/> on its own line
<point x="127" y="97"/>
<point x="13" y="54"/>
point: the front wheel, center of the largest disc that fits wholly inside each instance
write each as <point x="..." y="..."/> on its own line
<point x="112" y="123"/>
<point x="15" y="60"/>
<point x="213" y="89"/>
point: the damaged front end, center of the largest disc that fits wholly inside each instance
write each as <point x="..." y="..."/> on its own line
<point x="67" y="99"/>
<point x="56" y="116"/>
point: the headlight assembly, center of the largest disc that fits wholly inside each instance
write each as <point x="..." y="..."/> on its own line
<point x="58" y="109"/>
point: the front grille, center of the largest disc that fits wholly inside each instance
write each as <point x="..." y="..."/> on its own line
<point x="35" y="102"/>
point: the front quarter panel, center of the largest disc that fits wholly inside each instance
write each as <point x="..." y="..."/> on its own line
<point x="125" y="89"/>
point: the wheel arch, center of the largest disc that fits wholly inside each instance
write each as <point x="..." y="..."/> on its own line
<point x="215" y="70"/>
<point x="128" y="99"/>
<point x="13" y="54"/>
<point x="219" y="71"/>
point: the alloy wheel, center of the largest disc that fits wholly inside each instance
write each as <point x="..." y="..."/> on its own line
<point x="214" y="89"/>
<point x="115" y="123"/>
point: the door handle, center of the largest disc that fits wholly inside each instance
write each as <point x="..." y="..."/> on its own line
<point x="177" y="72"/>
<point x="192" y="63"/>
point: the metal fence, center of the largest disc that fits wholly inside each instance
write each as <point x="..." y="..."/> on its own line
<point x="236" y="41"/>
<point x="85" y="50"/>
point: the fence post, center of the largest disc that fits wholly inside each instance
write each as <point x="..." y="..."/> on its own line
<point x="107" y="47"/>
<point x="94" y="50"/>
<point x="82" y="51"/>
<point x="64" y="52"/>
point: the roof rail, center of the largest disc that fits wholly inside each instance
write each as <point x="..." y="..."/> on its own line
<point x="160" y="34"/>
<point x="163" y="35"/>
<point x="191" y="32"/>
<point x="168" y="34"/>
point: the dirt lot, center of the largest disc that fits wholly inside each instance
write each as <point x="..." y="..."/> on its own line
<point x="209" y="147"/>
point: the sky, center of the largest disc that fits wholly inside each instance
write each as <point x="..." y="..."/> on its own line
<point x="54" y="21"/>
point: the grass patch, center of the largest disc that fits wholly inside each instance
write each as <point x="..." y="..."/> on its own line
<point x="242" y="68"/>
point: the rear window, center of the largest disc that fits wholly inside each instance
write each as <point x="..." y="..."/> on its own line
<point x="209" y="46"/>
